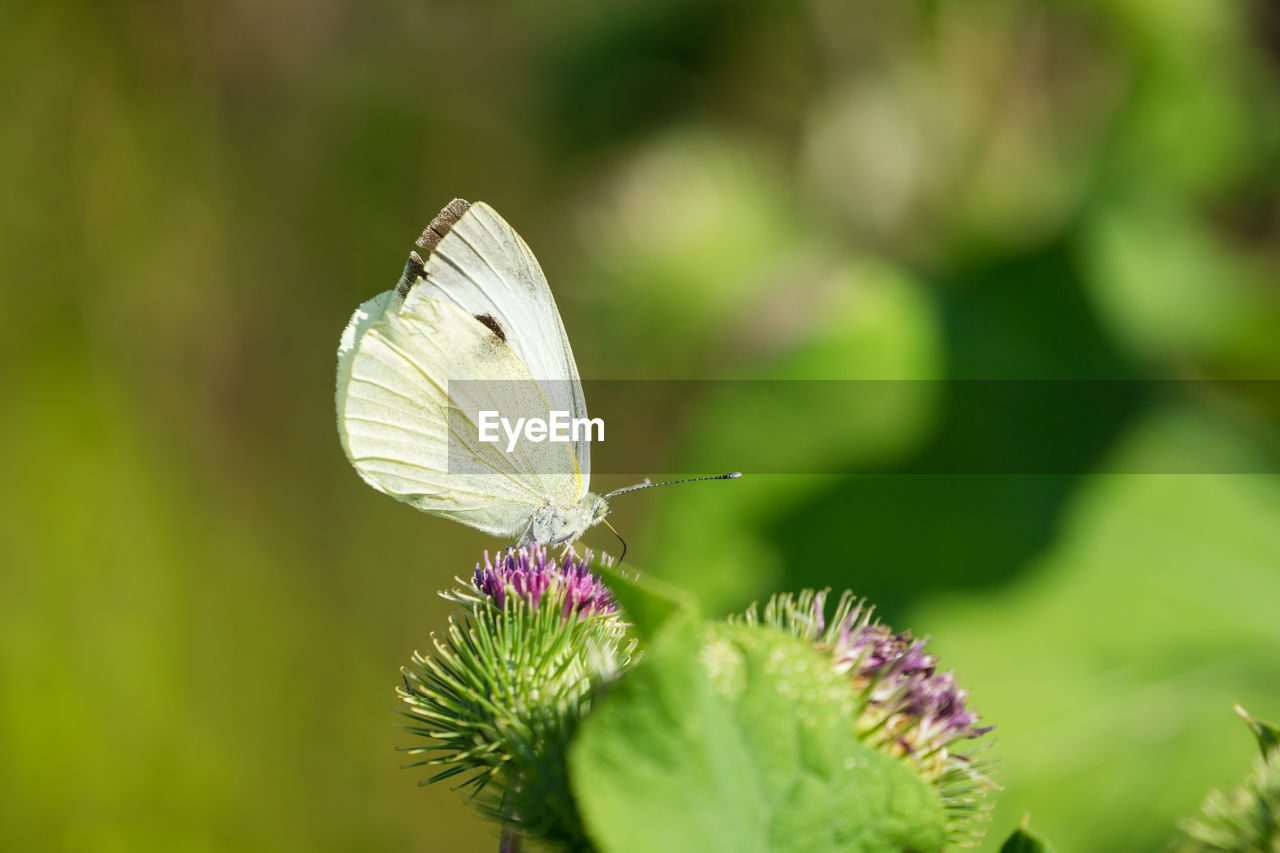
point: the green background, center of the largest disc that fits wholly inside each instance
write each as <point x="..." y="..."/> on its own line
<point x="202" y="608"/>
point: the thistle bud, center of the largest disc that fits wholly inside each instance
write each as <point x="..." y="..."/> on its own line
<point x="499" y="694"/>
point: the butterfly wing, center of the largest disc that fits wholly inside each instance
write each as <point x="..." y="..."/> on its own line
<point x="406" y="416"/>
<point x="478" y="263"/>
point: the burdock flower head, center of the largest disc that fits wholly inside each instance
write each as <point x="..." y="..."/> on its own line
<point x="912" y="708"/>
<point x="1246" y="818"/>
<point x="499" y="695"/>
<point x="527" y="574"/>
<point x="906" y="707"/>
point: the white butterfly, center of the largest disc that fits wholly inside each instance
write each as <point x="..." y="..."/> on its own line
<point x="477" y="308"/>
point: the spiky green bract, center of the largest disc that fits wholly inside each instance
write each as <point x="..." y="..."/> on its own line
<point x="905" y="707"/>
<point x="1268" y="736"/>
<point x="500" y="693"/>
<point x="1245" y="819"/>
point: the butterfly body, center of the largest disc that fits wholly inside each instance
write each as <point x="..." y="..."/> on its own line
<point x="552" y="524"/>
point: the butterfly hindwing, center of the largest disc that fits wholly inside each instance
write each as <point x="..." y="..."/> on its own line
<point x="399" y="363"/>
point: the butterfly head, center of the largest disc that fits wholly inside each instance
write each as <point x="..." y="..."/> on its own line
<point x="598" y="506"/>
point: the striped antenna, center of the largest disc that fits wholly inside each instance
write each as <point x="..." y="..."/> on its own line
<point x="648" y="485"/>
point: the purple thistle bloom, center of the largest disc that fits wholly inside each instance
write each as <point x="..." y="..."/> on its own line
<point x="903" y="705"/>
<point x="820" y="611"/>
<point x="921" y="709"/>
<point x="528" y="574"/>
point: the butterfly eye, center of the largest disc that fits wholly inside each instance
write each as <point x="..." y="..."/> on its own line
<point x="600" y="510"/>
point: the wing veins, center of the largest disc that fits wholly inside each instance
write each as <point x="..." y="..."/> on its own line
<point x="444" y="256"/>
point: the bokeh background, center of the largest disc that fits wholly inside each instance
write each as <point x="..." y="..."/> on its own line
<point x="203" y="610"/>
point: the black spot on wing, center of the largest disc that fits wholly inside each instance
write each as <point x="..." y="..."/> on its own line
<point x="493" y="325"/>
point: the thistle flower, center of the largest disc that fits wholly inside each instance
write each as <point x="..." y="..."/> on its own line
<point x="906" y="707"/>
<point x="526" y="573"/>
<point x="501" y="692"/>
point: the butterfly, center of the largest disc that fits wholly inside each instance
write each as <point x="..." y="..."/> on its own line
<point x="470" y="327"/>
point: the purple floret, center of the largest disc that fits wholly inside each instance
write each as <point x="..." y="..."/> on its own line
<point x="529" y="574"/>
<point x="903" y="679"/>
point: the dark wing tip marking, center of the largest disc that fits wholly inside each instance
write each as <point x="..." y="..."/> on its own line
<point x="414" y="269"/>
<point x="440" y="226"/>
<point x="493" y="325"/>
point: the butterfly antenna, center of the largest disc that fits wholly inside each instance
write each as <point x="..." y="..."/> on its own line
<point x="620" y="539"/>
<point x="648" y="485"/>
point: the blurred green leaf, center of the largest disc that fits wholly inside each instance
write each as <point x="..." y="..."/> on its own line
<point x="648" y="602"/>
<point x="858" y="320"/>
<point x="1171" y="287"/>
<point x="1107" y="665"/>
<point x="727" y="738"/>
<point x="696" y="225"/>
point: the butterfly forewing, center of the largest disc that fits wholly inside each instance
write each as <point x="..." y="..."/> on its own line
<point x="478" y="263"/>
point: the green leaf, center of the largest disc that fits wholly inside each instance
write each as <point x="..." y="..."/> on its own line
<point x="1022" y="841"/>
<point x="876" y="323"/>
<point x="647" y="601"/>
<point x="1268" y="735"/>
<point x="1157" y="593"/>
<point x="732" y="738"/>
